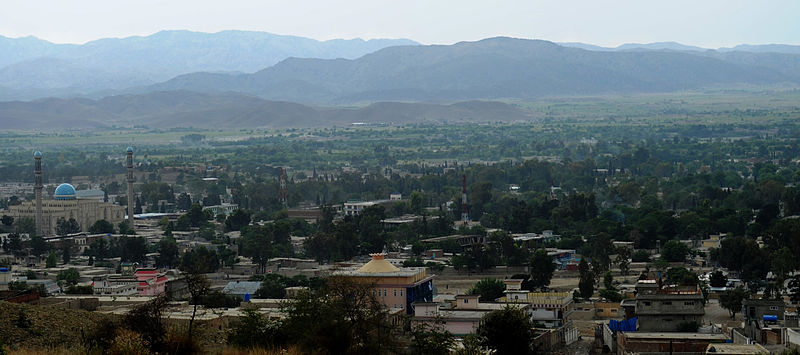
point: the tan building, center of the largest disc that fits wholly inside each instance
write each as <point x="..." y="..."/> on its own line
<point x="550" y="309"/>
<point x="395" y="287"/>
<point x="66" y="205"/>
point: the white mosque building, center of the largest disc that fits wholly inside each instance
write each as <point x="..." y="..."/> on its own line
<point x="65" y="204"/>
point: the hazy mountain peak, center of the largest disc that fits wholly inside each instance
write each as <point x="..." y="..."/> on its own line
<point x="117" y="63"/>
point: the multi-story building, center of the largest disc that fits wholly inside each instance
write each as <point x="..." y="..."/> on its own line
<point x="549" y="309"/>
<point x="395" y="287"/>
<point x="113" y="287"/>
<point x="667" y="309"/>
<point x="144" y="282"/>
<point x="461" y="317"/>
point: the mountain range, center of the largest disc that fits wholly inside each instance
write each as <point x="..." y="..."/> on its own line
<point x="493" y="68"/>
<point x="32" y="68"/>
<point x="36" y="68"/>
<point x="250" y="79"/>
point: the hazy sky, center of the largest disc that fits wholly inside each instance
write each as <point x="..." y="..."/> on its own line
<point x="707" y="23"/>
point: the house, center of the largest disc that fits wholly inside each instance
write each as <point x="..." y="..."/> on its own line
<point x="764" y="320"/>
<point x="143" y="282"/>
<point x="763" y="310"/>
<point x="608" y="309"/>
<point x="355" y="207"/>
<point x="667" y="308"/>
<point x="150" y="282"/>
<point x="222" y="209"/>
<point x="242" y="288"/>
<point x="107" y="287"/>
<point x="550" y="309"/>
<point x="461" y="317"/>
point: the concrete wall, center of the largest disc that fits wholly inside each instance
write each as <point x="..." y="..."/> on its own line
<point x="665" y="323"/>
<point x="609" y="339"/>
<point x="792" y="337"/>
<point x="88" y="304"/>
<point x="739" y="338"/>
<point x="663" y="346"/>
<point x="570" y="335"/>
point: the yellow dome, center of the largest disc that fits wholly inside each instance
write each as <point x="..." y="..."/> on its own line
<point x="378" y="264"/>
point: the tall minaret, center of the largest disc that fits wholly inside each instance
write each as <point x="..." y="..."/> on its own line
<point x="282" y="191"/>
<point x="131" y="197"/>
<point x="464" y="214"/>
<point x="37" y="189"/>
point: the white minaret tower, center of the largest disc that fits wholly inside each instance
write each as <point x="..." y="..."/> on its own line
<point x="131" y="197"/>
<point x="464" y="214"/>
<point x="37" y="189"/>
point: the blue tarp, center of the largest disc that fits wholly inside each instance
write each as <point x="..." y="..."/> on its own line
<point x="623" y="325"/>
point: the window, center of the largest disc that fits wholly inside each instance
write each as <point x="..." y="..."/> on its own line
<point x="773" y="308"/>
<point x="466" y="300"/>
<point x="395" y="294"/>
<point x="384" y="293"/>
<point x="614" y="310"/>
<point x="688" y="303"/>
<point x="647" y="303"/>
<point x="667" y="303"/>
<point x="401" y="293"/>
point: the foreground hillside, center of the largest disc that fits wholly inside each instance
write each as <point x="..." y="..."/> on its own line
<point x="31" y="327"/>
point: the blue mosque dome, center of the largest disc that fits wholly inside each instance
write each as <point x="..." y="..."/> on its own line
<point x="37" y="154"/>
<point x="64" y="192"/>
<point x="129" y="150"/>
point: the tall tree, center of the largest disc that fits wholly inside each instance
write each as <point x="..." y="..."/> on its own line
<point x="38" y="246"/>
<point x="14" y="244"/>
<point x="542" y="269"/>
<point x="167" y="253"/>
<point x="601" y="250"/>
<point x="238" y="219"/>
<point x="98" y="249"/>
<point x="783" y="263"/>
<point x="67" y="226"/>
<point x="200" y="260"/>
<point x="674" y="251"/>
<point x="586" y="282"/>
<point x="101" y="227"/>
<point x="344" y="317"/>
<point x="66" y="250"/>
<point x="26" y="225"/>
<point x="508" y="331"/>
<point x="134" y="249"/>
<point x="198" y="286"/>
<point x="432" y="338"/>
<point x="623" y="260"/>
<point x="257" y="243"/>
<point x="732" y="300"/>
<point x="489" y="289"/>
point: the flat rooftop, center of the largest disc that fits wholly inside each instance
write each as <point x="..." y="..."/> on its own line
<point x="671" y="335"/>
<point x="737" y="349"/>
